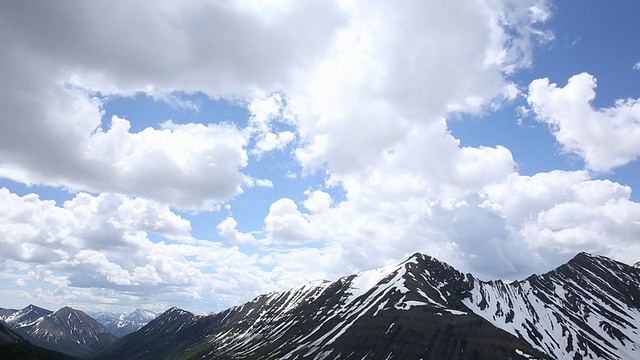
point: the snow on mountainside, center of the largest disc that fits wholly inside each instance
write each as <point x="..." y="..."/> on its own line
<point x="23" y="317"/>
<point x="123" y="324"/>
<point x="409" y="310"/>
<point x="67" y="330"/>
<point x="587" y="308"/>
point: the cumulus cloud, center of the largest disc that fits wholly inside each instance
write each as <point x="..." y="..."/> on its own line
<point x="605" y="138"/>
<point x="187" y="165"/>
<point x="106" y="242"/>
<point x="228" y="229"/>
<point x="508" y="229"/>
<point x="562" y="212"/>
<point x="391" y="73"/>
<point x="51" y="124"/>
<point x="285" y="224"/>
<point x="361" y="98"/>
<point x="636" y="66"/>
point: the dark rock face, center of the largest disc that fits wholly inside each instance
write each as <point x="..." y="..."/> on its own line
<point x="14" y="346"/>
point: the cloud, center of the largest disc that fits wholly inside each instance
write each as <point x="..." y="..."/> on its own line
<point x="187" y="165"/>
<point x="605" y="138"/>
<point x="228" y="229"/>
<point x="270" y="141"/>
<point x="285" y="224"/>
<point x="361" y="98"/>
<point x="636" y="66"/>
<point x="391" y="72"/>
<point x="508" y="229"/>
<point x="562" y="212"/>
<point x="121" y="249"/>
<point x="52" y="108"/>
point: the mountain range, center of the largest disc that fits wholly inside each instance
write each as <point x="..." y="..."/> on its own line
<point x="588" y="308"/>
<point x="123" y="324"/>
<point x="65" y="330"/>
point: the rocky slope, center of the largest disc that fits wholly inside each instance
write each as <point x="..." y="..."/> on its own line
<point x="414" y="309"/>
<point x="587" y="308"/>
<point x="14" y="346"/>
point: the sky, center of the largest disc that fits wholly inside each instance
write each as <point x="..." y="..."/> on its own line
<point x="198" y="154"/>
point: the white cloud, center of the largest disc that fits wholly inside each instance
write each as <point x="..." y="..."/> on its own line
<point x="187" y="165"/>
<point x="228" y="229"/>
<point x="285" y="224"/>
<point x="636" y="66"/>
<point x="100" y="247"/>
<point x="560" y="213"/>
<point x="270" y="141"/>
<point x="50" y="128"/>
<point x="386" y="77"/>
<point x="361" y="97"/>
<point x="604" y="138"/>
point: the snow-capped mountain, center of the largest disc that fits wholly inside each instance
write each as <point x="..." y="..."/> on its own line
<point x="67" y="330"/>
<point x="410" y="310"/>
<point x="588" y="308"/>
<point x="123" y="324"/>
<point x="23" y="317"/>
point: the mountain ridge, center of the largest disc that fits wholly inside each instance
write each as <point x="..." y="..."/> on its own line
<point x="65" y="330"/>
<point x="382" y="310"/>
<point x="124" y="323"/>
<point x="420" y="307"/>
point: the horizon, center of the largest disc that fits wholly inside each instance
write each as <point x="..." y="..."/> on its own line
<point x="156" y="312"/>
<point x="197" y="155"/>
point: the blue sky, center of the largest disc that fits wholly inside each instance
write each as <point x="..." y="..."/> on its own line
<point x="200" y="155"/>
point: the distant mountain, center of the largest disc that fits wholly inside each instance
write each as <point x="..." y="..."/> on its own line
<point x="67" y="330"/>
<point x="123" y="324"/>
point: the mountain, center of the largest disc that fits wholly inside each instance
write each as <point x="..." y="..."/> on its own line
<point x="414" y="309"/>
<point x="23" y="317"/>
<point x="8" y="336"/>
<point x="14" y="346"/>
<point x="67" y="330"/>
<point x="123" y="324"/>
<point x="589" y="307"/>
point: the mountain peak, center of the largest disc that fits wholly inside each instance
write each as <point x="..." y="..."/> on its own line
<point x="176" y="310"/>
<point x="65" y="310"/>
<point x="32" y="307"/>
